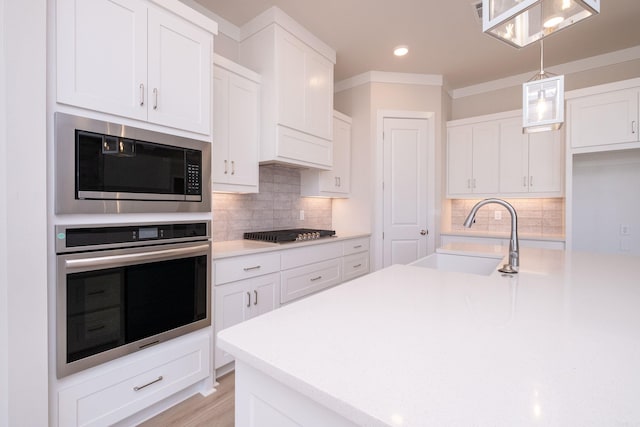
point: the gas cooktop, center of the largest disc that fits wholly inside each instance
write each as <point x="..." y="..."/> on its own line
<point x="292" y="235"/>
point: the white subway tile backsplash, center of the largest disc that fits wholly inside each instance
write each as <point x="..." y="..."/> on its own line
<point x="277" y="206"/>
<point x="537" y="217"/>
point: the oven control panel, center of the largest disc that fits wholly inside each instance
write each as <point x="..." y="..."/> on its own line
<point x="92" y="237"/>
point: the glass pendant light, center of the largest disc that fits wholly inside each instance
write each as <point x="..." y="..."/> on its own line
<point x="521" y="22"/>
<point x="542" y="100"/>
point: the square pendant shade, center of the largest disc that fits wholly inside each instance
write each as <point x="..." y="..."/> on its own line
<point x="543" y="104"/>
<point x="521" y="22"/>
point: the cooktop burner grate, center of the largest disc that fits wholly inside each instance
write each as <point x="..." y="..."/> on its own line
<point x="292" y="235"/>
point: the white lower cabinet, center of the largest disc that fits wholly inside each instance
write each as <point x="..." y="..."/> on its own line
<point x="121" y="392"/>
<point x="239" y="301"/>
<point x="246" y="286"/>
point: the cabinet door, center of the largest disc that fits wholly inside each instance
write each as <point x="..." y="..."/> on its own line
<point x="338" y="179"/>
<point x="545" y="162"/>
<point x="607" y="118"/>
<point x="514" y="157"/>
<point x="220" y="146"/>
<point x="243" y="131"/>
<point x="486" y="158"/>
<point x="318" y="95"/>
<point x="232" y="306"/>
<point x="102" y="56"/>
<point x="305" y="87"/>
<point x="290" y="65"/>
<point x="266" y="294"/>
<point x="459" y="160"/>
<point x="242" y="300"/>
<point x="180" y="71"/>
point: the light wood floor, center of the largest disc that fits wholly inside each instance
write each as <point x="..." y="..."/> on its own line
<point x="215" y="410"/>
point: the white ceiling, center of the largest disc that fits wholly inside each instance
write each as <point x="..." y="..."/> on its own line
<point x="444" y="36"/>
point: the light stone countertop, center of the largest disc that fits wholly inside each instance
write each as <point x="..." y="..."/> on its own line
<point x="556" y="345"/>
<point x="231" y="248"/>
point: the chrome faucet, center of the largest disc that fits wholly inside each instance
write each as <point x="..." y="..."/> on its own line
<point x="514" y="247"/>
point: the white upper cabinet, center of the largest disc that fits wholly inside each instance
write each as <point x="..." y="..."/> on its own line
<point x="337" y="181"/>
<point x="99" y="68"/>
<point x="236" y="123"/>
<point x="297" y="83"/>
<point x="604" y="118"/>
<point x="472" y="159"/>
<point x="490" y="156"/>
<point x="530" y="163"/>
<point x="133" y="59"/>
<point x="179" y="70"/>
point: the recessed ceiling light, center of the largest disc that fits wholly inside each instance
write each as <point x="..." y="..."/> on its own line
<point x="401" y="50"/>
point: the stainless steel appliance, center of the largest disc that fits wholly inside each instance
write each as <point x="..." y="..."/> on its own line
<point x="290" y="235"/>
<point x="122" y="288"/>
<point x="103" y="167"/>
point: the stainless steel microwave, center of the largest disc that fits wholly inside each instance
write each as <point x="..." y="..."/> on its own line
<point x="103" y="167"/>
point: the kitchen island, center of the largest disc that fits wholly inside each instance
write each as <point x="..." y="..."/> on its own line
<point x="557" y="344"/>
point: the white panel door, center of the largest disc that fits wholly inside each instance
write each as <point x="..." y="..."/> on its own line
<point x="220" y="146"/>
<point x="102" y="55"/>
<point x="180" y="73"/>
<point x="405" y="190"/>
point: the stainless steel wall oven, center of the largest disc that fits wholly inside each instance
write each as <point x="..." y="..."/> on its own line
<point x="103" y="167"/>
<point x="121" y="288"/>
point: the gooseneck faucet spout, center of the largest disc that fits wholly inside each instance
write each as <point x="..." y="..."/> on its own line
<point x="514" y="246"/>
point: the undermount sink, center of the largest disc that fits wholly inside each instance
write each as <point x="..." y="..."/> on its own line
<point x="461" y="263"/>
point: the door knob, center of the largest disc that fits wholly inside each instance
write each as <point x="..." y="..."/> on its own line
<point x="424" y="232"/>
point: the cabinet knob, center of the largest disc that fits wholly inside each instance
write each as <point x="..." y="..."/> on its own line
<point x="424" y="232"/>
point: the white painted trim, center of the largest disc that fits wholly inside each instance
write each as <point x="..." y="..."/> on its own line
<point x="378" y="224"/>
<point x="189" y="13"/>
<point x="389" y="77"/>
<point x="341" y="116"/>
<point x="485" y="118"/>
<point x="598" y="61"/>
<point x="236" y="68"/>
<point x="607" y="87"/>
<point x="277" y="16"/>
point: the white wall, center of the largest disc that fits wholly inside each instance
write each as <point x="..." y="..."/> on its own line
<point x="605" y="196"/>
<point x="23" y="264"/>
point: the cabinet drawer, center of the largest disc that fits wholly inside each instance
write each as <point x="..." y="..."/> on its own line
<point x="355" y="265"/>
<point x="356" y="245"/>
<point x="302" y="281"/>
<point x="244" y="267"/>
<point x="308" y="255"/>
<point x="120" y="393"/>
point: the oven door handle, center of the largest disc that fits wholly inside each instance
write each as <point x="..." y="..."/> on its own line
<point x="118" y="260"/>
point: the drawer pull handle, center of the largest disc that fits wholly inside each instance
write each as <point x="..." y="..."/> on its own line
<point x="255" y="267"/>
<point x="140" y="387"/>
<point x="316" y="278"/>
<point x="226" y="163"/>
<point x="357" y="266"/>
<point x="248" y="299"/>
<point x="255" y="302"/>
<point x="357" y="246"/>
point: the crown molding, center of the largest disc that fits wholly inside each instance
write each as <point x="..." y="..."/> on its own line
<point x="389" y="77"/>
<point x="586" y="64"/>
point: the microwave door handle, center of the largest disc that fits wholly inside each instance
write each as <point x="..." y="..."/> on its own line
<point x="128" y="259"/>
